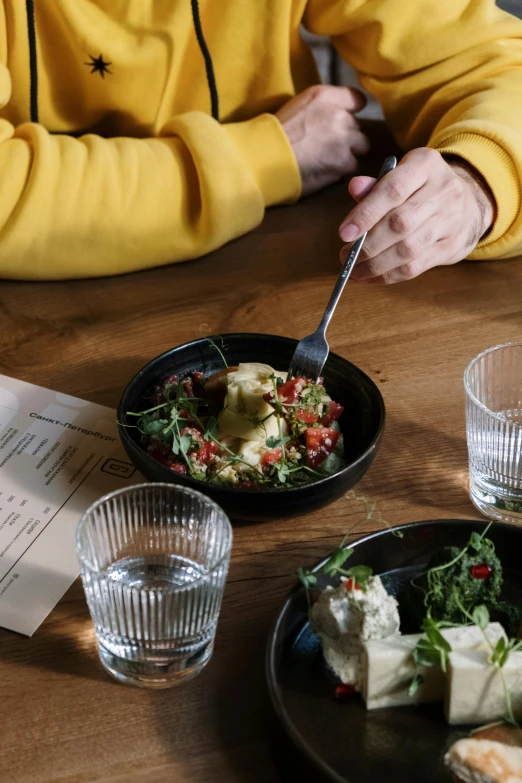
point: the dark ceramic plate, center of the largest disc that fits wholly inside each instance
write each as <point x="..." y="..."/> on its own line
<point x="362" y="423"/>
<point x="344" y="741"/>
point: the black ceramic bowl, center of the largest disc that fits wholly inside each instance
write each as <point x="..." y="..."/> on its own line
<point x="362" y="423"/>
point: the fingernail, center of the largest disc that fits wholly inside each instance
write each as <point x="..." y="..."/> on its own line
<point x="348" y="232"/>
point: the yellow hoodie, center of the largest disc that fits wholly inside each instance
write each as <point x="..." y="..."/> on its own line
<point x="141" y="132"/>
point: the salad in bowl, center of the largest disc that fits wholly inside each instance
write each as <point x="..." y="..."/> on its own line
<point x="248" y="426"/>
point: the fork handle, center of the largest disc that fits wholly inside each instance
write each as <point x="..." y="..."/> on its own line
<point x="388" y="165"/>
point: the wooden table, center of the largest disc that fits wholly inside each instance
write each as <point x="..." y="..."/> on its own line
<point x="63" y="720"/>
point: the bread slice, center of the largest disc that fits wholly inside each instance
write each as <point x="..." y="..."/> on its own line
<point x="509" y="735"/>
<point x="485" y="761"/>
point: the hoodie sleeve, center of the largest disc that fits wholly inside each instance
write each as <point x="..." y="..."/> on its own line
<point x="90" y="206"/>
<point x="448" y="75"/>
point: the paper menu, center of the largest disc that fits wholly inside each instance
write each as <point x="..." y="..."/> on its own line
<point x="58" y="454"/>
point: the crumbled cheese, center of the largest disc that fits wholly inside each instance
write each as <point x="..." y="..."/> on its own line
<point x="226" y="473"/>
<point x="344" y="619"/>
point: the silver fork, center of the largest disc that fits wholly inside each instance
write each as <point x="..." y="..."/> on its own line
<point x="311" y="352"/>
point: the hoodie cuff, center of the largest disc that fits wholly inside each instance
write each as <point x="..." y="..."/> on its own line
<point x="268" y="154"/>
<point x="498" y="169"/>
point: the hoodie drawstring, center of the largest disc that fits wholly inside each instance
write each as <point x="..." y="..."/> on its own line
<point x="33" y="64"/>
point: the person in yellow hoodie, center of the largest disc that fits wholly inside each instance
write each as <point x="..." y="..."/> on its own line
<point x="135" y="133"/>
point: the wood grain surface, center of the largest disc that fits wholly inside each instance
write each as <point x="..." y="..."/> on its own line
<point x="62" y="719"/>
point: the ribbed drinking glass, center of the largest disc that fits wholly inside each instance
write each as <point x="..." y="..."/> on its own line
<point x="493" y="383"/>
<point x="154" y="560"/>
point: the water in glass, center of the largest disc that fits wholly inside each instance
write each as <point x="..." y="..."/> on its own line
<point x="154" y="562"/>
<point x="493" y="382"/>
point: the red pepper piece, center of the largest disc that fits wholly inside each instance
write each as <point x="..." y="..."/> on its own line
<point x="344" y="692"/>
<point x="481" y="571"/>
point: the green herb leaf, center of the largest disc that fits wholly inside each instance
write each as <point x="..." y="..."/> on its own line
<point x="431" y="629"/>
<point x="501" y="652"/>
<point x="306" y="577"/>
<point x="283" y="471"/>
<point x="425" y="654"/>
<point x="361" y="574"/>
<point x="273" y="442"/>
<point x="185" y="443"/>
<point x="211" y="428"/>
<point x="153" y="426"/>
<point x="475" y="542"/>
<point x="480" y="617"/>
<point x="336" y="560"/>
<point x="432" y="651"/>
<point x="213" y="345"/>
<point x="414" y="685"/>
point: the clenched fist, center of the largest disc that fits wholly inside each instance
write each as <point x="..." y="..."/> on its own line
<point x="324" y="134"/>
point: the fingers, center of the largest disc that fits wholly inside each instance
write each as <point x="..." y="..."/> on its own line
<point x="359" y="187"/>
<point x="347" y="98"/>
<point x="392" y="191"/>
<point x="395" y="254"/>
<point x="438" y="254"/>
<point x="401" y="228"/>
<point x="359" y="143"/>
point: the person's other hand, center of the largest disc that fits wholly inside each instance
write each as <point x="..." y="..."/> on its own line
<point x="425" y="212"/>
<point x="324" y="134"/>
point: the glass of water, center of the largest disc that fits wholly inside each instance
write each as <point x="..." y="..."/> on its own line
<point x="493" y="383"/>
<point x="154" y="560"/>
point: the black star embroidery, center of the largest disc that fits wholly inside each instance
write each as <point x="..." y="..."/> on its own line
<point x="98" y="65"/>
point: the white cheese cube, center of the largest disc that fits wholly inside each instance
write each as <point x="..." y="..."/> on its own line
<point x="475" y="693"/>
<point x="389" y="666"/>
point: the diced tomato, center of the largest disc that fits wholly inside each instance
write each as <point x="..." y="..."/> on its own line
<point x="178" y="467"/>
<point x="306" y="415"/>
<point x="158" y="395"/>
<point x="332" y="414"/>
<point x="248" y="484"/>
<point x="206" y="451"/>
<point x="193" y="432"/>
<point x="320" y="442"/>
<point x="344" y="692"/>
<point x="187" y="387"/>
<point x="350" y="584"/>
<point x="187" y="416"/>
<point x="196" y="380"/>
<point x="288" y="393"/>
<point x="269" y="457"/>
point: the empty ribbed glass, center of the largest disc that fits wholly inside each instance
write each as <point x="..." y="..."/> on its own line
<point x="493" y="383"/>
<point x="154" y="560"/>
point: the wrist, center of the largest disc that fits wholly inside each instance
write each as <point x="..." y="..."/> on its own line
<point x="480" y="189"/>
